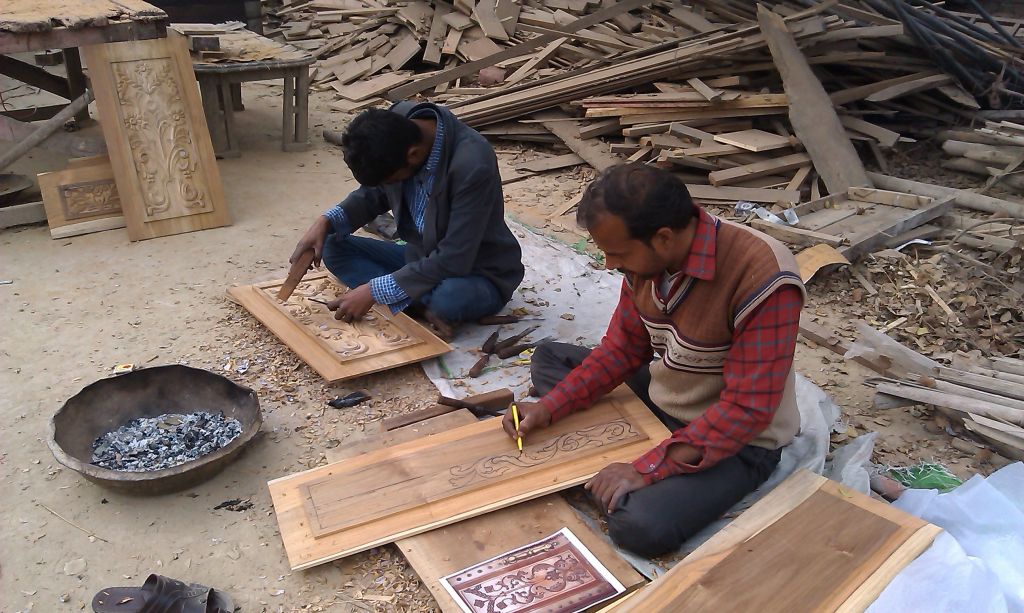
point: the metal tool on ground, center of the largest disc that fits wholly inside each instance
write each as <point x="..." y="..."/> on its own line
<point x="478" y="368"/>
<point x="295" y="274"/>
<point x="495" y="399"/>
<point x="512" y="340"/>
<point x="515" y="350"/>
<point x="348" y="400"/>
<point x="497" y="320"/>
<point x="476" y="409"/>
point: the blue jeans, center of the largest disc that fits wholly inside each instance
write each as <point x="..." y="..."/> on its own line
<point x="356" y="259"/>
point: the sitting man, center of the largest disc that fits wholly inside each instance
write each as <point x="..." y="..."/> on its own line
<point x="719" y="304"/>
<point x="439" y="178"/>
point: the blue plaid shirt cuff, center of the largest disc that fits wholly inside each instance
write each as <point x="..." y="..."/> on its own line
<point x="385" y="290"/>
<point x="339" y="221"/>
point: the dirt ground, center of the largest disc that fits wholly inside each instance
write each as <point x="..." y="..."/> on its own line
<point x="79" y="306"/>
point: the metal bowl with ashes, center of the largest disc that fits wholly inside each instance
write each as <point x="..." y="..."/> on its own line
<point x="156" y="399"/>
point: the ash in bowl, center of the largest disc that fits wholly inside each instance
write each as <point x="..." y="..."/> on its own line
<point x="154" y="443"/>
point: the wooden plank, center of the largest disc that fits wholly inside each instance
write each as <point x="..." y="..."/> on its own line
<point x="554" y="162"/>
<point x="798" y="519"/>
<point x="811" y="112"/>
<point x="451" y="42"/>
<point x="443" y="551"/>
<point x="401" y="93"/>
<point x="963" y="404"/>
<point x="83" y="194"/>
<point x="754" y="140"/>
<point x="538" y="60"/>
<point x="861" y="92"/>
<point x="485" y="16"/>
<point x="157" y="138"/>
<point x="447" y="479"/>
<point x="795" y="235"/>
<point x="885" y="137"/>
<point x="869" y="239"/>
<point x="404" y="50"/>
<point x="508" y="12"/>
<point x="734" y="194"/>
<point x="594" y="152"/>
<point x="709" y="93"/>
<point x="476" y="48"/>
<point x="21" y="214"/>
<point x="910" y="87"/>
<point x="373" y="87"/>
<point x="436" y="37"/>
<point x="759" y="169"/>
<point x="337" y="350"/>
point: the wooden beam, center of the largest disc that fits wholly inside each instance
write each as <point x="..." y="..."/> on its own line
<point x="66" y="38"/>
<point x="759" y="169"/>
<point x="34" y="75"/>
<point x="70" y="144"/>
<point x="44" y="130"/>
<point x="594" y="152"/>
<point x="810" y="110"/>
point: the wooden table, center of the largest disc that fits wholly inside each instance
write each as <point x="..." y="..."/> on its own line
<point x="251" y="57"/>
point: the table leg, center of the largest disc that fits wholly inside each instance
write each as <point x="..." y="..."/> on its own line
<point x="76" y="79"/>
<point x="288" y="114"/>
<point x="214" y="115"/>
<point x="302" y="110"/>
<point x="228" y="108"/>
<point x="236" y="97"/>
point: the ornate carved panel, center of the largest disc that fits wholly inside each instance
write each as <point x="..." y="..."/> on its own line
<point x="553" y="575"/>
<point x="336" y="349"/>
<point x="89" y="199"/>
<point x="160" y="140"/>
<point x="156" y="135"/>
<point x="409" y="488"/>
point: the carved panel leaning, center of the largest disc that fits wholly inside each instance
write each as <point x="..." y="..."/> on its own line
<point x="89" y="198"/>
<point x="160" y="140"/>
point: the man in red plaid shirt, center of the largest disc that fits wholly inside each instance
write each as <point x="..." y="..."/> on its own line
<point x="704" y="333"/>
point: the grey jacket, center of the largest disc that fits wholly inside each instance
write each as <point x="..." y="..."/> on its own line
<point x="464" y="230"/>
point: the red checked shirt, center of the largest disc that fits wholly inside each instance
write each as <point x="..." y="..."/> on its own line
<point x="756" y="371"/>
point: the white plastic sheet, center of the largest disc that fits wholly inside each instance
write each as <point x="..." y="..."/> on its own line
<point x="985" y="570"/>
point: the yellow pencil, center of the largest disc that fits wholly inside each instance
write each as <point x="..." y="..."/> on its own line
<point x="515" y="420"/>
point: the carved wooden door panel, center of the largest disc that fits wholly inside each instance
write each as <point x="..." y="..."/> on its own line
<point x="347" y="507"/>
<point x="157" y="138"/>
<point x="81" y="198"/>
<point x="336" y="349"/>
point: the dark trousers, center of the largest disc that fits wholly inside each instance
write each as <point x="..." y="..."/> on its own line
<point x="656" y="519"/>
<point x="357" y="259"/>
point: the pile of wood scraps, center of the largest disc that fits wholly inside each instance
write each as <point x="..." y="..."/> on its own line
<point x="995" y="151"/>
<point x="979" y="396"/>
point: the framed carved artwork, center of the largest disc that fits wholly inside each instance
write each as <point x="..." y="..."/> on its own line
<point x="156" y="135"/>
<point x="413" y="487"/>
<point x="556" y="574"/>
<point x="82" y="198"/>
<point x="337" y="350"/>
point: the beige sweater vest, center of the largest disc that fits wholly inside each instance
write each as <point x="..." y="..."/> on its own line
<point x="693" y="338"/>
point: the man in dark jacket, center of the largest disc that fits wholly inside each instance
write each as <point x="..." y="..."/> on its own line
<point x="440" y="179"/>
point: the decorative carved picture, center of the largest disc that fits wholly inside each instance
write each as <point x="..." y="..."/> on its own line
<point x="160" y="139"/>
<point x="89" y="199"/>
<point x="557" y="574"/>
<point x="337" y="349"/>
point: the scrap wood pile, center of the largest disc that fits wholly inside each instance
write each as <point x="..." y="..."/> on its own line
<point x="994" y="151"/>
<point x="982" y="396"/>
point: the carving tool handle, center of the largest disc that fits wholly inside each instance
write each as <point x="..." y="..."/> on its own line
<point x="295" y="274"/>
<point x="462" y="404"/>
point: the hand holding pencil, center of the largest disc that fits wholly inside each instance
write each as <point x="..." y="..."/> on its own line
<point x="522" y="418"/>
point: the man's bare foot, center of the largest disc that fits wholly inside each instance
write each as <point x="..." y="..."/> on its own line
<point x="444" y="330"/>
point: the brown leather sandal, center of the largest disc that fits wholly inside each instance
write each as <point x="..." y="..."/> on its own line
<point x="161" y="594"/>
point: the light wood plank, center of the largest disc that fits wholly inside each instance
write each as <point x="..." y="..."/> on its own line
<point x="753" y="140"/>
<point x="157" y="137"/>
<point x="83" y="195"/>
<point x="758" y="169"/>
<point x="811" y="112"/>
<point x="468" y="450"/>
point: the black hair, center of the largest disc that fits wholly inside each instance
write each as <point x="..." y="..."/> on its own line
<point x="646" y="198"/>
<point x="376" y="143"/>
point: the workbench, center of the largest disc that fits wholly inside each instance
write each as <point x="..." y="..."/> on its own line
<point x="247" y="56"/>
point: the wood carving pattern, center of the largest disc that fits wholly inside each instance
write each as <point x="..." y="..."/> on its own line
<point x="374" y="334"/>
<point x="161" y="143"/>
<point x="89" y="198"/>
<point x="553" y="574"/>
<point x="496" y="466"/>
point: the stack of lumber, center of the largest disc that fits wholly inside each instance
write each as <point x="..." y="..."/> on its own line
<point x="995" y="151"/>
<point x="983" y="394"/>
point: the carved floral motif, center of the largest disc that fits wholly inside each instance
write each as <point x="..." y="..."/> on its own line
<point x="161" y="144"/>
<point x="89" y="199"/>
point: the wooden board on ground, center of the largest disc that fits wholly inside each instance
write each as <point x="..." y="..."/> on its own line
<point x="810" y="544"/>
<point x="82" y="198"/>
<point x="157" y="138"/>
<point x="753" y="140"/>
<point x="811" y="111"/>
<point x="440" y="552"/>
<point x="336" y="349"/>
<point x="857" y="220"/>
<point x="432" y="482"/>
